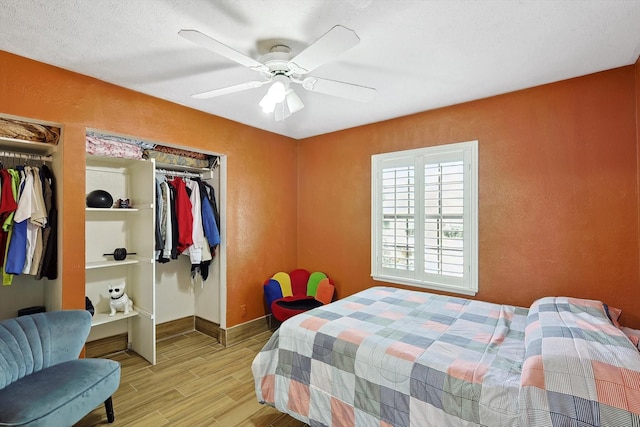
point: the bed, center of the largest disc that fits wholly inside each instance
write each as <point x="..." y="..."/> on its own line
<point x="394" y="357"/>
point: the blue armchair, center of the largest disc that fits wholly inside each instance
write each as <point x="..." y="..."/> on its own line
<point x="42" y="381"/>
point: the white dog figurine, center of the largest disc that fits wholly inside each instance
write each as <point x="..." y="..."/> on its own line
<point x="119" y="300"/>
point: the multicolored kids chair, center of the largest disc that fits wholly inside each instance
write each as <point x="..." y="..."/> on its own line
<point x="288" y="294"/>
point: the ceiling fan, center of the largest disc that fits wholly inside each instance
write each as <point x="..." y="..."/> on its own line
<point x="278" y="68"/>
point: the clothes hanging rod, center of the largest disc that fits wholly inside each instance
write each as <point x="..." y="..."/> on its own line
<point x="179" y="173"/>
<point x="26" y="156"/>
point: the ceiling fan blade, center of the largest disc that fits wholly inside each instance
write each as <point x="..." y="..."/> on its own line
<point x="337" y="40"/>
<point x="229" y="89"/>
<point x="222" y="49"/>
<point x="339" y="89"/>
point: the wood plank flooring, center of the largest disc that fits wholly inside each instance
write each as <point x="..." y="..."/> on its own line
<point x="195" y="382"/>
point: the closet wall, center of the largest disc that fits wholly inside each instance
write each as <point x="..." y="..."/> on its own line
<point x="24" y="292"/>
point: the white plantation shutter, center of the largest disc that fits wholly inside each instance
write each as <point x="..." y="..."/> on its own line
<point x="398" y="223"/>
<point x="444" y="219"/>
<point x="424" y="217"/>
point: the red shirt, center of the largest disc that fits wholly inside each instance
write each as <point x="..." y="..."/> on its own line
<point x="183" y="214"/>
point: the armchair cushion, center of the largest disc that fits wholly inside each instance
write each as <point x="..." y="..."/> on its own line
<point x="290" y="306"/>
<point x="285" y="283"/>
<point x="325" y="291"/>
<point x="299" y="280"/>
<point x="32" y="343"/>
<point x="272" y="291"/>
<point x="314" y="279"/>
<point x="59" y="394"/>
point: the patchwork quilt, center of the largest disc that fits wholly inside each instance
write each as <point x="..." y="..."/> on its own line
<point x="393" y="357"/>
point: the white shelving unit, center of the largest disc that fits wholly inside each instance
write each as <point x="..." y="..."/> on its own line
<point x="132" y="228"/>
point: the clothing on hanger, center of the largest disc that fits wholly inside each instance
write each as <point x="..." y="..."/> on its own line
<point x="28" y="216"/>
<point x="187" y="221"/>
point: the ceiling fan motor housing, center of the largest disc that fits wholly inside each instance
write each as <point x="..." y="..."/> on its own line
<point x="277" y="61"/>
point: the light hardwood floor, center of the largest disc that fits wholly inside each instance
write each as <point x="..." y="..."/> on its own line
<point x="195" y="382"/>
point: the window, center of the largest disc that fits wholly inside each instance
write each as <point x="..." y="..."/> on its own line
<point x="424" y="217"/>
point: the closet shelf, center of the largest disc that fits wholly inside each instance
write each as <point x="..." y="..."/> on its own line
<point x="105" y="264"/>
<point x="117" y="164"/>
<point x="27" y="147"/>
<point x="112" y="209"/>
<point x="183" y="171"/>
<point x="103" y="318"/>
<point x="178" y="168"/>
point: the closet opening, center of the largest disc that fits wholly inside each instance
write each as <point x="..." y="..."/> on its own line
<point x="194" y="283"/>
<point x="177" y="281"/>
<point x="31" y="145"/>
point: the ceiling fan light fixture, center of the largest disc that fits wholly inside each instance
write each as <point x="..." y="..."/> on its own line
<point x="294" y="103"/>
<point x="281" y="99"/>
<point x="281" y="112"/>
<point x="277" y="92"/>
<point x="267" y="104"/>
<point x="278" y="89"/>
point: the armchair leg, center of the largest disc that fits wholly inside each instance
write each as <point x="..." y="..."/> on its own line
<point x="108" y="405"/>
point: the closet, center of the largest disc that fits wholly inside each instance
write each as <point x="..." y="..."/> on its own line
<point x="183" y="288"/>
<point x="33" y="143"/>
<point x="163" y="289"/>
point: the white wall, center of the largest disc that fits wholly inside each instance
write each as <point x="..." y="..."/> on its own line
<point x="24" y="292"/>
<point x="175" y="295"/>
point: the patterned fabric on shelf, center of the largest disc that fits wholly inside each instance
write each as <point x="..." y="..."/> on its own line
<point x="34" y="132"/>
<point x="105" y="147"/>
<point x="174" y="159"/>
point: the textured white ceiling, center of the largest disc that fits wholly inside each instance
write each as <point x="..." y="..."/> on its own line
<point x="418" y="54"/>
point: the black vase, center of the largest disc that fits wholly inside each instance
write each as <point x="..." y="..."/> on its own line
<point x="99" y="199"/>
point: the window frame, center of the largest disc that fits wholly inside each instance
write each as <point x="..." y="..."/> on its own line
<point x="467" y="152"/>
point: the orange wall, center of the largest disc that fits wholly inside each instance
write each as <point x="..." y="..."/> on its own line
<point x="260" y="218"/>
<point x="558" y="183"/>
